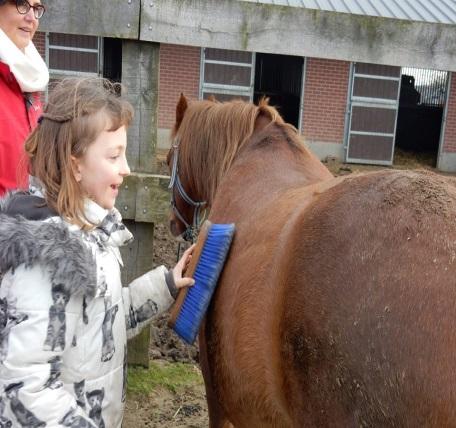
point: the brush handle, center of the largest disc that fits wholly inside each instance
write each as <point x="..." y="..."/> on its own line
<point x="189" y="272"/>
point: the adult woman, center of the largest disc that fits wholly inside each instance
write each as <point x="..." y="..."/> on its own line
<point x="23" y="74"/>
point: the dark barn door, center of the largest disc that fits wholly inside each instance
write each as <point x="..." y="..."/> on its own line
<point x="421" y="105"/>
<point x="373" y="111"/>
<point x="279" y="77"/>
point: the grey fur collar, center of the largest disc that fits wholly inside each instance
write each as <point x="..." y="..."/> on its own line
<point x="5" y="201"/>
<point x="69" y="261"/>
<point x="24" y="204"/>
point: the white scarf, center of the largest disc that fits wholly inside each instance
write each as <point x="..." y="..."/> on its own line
<point x="28" y="67"/>
<point x="109" y="228"/>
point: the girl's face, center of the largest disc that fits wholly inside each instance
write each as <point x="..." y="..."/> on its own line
<point x="19" y="28"/>
<point x="101" y="170"/>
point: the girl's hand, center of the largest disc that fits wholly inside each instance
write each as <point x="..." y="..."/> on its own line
<point x="181" y="266"/>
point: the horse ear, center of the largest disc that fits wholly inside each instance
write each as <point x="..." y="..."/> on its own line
<point x="264" y="101"/>
<point x="180" y="110"/>
<point x="211" y="98"/>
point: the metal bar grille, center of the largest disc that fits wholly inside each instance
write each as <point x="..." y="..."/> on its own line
<point x="430" y="85"/>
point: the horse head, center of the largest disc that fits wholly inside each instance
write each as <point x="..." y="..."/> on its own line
<point x="206" y="137"/>
<point x="186" y="210"/>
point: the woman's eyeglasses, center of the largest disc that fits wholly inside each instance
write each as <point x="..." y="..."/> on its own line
<point x="23" y="6"/>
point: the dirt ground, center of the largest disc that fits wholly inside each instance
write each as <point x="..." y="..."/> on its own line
<point x="165" y="409"/>
<point x="187" y="407"/>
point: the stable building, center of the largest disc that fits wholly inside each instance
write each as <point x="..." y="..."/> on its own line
<point x="358" y="78"/>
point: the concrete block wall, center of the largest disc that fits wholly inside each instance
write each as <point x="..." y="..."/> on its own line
<point x="324" y="105"/>
<point x="449" y="145"/>
<point x="179" y="72"/>
<point x="447" y="155"/>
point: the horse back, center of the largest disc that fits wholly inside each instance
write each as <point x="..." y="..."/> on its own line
<point x="369" y="312"/>
<point x="336" y="306"/>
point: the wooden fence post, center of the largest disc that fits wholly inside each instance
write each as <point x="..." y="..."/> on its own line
<point x="143" y="198"/>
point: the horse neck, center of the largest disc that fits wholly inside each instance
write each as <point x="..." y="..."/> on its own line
<point x="272" y="157"/>
<point x="262" y="172"/>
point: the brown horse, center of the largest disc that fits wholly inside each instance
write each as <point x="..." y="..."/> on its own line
<point x="337" y="305"/>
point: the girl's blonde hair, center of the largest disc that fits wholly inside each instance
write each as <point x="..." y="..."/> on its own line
<point x="78" y="110"/>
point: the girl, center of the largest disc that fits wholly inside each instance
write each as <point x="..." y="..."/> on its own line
<point x="64" y="316"/>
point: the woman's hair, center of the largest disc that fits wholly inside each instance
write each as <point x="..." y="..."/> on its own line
<point x="77" y="111"/>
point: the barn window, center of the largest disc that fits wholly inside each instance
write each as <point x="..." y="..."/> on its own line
<point x="227" y="74"/>
<point x="74" y="55"/>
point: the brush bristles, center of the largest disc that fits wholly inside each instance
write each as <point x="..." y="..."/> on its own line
<point x="207" y="272"/>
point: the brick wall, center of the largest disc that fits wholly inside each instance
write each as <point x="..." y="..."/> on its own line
<point x="325" y="94"/>
<point x="449" y="144"/>
<point x="179" y="72"/>
<point x="325" y="99"/>
<point x="39" y="40"/>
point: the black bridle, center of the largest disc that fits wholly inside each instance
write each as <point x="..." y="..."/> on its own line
<point x="175" y="183"/>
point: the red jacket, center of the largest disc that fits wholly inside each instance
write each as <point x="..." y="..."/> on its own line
<point x="19" y="113"/>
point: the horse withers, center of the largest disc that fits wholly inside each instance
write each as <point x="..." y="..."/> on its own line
<point x="337" y="305"/>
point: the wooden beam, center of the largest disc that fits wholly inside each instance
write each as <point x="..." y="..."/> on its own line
<point x="137" y="257"/>
<point x="260" y="27"/>
<point x="140" y="66"/>
<point x="144" y="198"/>
<point x="239" y="25"/>
<point x="107" y="18"/>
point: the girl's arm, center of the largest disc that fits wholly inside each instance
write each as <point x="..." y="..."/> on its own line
<point x="39" y="320"/>
<point x="153" y="293"/>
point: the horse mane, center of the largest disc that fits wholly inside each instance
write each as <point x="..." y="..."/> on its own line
<point x="210" y="135"/>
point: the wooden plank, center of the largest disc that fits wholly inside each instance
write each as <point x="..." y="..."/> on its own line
<point x="149" y="75"/>
<point x="129" y="254"/>
<point x="271" y="28"/>
<point x="132" y="84"/>
<point x="107" y="18"/>
<point x="152" y="198"/>
<point x="140" y="66"/>
<point x="144" y="198"/>
<point x="126" y="200"/>
<point x="138" y="349"/>
<point x="137" y="259"/>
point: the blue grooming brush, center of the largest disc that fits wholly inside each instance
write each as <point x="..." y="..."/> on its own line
<point x="207" y="262"/>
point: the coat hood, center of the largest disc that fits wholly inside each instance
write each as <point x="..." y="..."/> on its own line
<point x="24" y="241"/>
